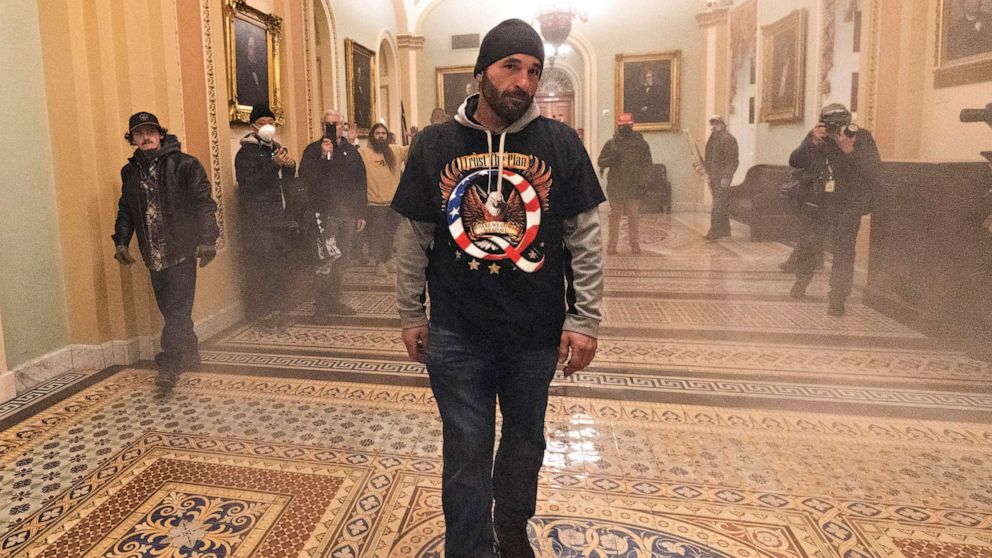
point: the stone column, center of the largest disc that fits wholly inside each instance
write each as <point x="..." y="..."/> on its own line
<point x="410" y="47"/>
<point x="714" y="87"/>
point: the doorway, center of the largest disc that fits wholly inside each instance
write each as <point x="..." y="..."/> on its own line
<point x="556" y="97"/>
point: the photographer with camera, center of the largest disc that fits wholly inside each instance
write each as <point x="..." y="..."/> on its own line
<point x="840" y="168"/>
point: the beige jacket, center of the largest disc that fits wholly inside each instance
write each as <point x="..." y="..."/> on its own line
<point x="382" y="182"/>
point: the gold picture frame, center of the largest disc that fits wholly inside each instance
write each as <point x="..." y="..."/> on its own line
<point x="249" y="80"/>
<point x="361" y="84"/>
<point x="958" y="59"/>
<point x="783" y="68"/>
<point x="647" y="86"/>
<point x="449" y="95"/>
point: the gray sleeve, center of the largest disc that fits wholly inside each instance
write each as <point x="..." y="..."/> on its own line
<point x="413" y="244"/>
<point x="582" y="238"/>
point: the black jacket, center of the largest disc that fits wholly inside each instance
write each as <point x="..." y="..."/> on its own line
<point x="189" y="211"/>
<point x="260" y="190"/>
<point x="337" y="187"/>
<point x="857" y="176"/>
<point x="721" y="157"/>
<point x="629" y="159"/>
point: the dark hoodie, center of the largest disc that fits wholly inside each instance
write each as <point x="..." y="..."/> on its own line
<point x="501" y="261"/>
<point x="188" y="210"/>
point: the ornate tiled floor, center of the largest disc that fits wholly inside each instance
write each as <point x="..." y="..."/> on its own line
<point x="719" y="420"/>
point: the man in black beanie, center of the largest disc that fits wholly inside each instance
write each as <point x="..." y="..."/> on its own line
<point x="262" y="167"/>
<point x="503" y="227"/>
<point x="166" y="202"/>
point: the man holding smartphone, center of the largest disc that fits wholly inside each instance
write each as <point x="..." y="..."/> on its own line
<point x="261" y="166"/>
<point x="338" y="191"/>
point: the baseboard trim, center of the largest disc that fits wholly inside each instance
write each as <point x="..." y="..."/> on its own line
<point x="105" y="355"/>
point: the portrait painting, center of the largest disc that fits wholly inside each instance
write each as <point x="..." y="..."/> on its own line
<point x="253" y="44"/>
<point x="647" y="86"/>
<point x="360" y="62"/>
<point x="783" y="75"/>
<point x="454" y="83"/>
<point x="964" y="42"/>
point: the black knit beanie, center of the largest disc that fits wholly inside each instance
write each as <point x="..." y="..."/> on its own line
<point x="513" y="36"/>
<point x="260" y="110"/>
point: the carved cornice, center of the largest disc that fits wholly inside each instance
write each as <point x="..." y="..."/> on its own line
<point x="712" y="17"/>
<point x="410" y="41"/>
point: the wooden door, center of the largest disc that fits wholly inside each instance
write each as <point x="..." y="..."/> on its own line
<point x="561" y="108"/>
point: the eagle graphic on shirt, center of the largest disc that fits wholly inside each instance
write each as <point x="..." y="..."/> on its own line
<point x="493" y="216"/>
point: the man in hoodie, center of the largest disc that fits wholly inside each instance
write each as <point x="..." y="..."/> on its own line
<point x="720" y="165"/>
<point x="261" y="166"/>
<point x="628" y="157"/>
<point x="165" y="199"/>
<point x="383" y="166"/>
<point x="503" y="228"/>
<point x="336" y="182"/>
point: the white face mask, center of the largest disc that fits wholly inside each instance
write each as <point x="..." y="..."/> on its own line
<point x="267" y="133"/>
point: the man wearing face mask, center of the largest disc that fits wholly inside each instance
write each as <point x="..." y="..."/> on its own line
<point x="720" y="165"/>
<point x="336" y="181"/>
<point x="503" y="228"/>
<point x="261" y="166"/>
<point x="165" y="199"/>
<point x="628" y="157"/>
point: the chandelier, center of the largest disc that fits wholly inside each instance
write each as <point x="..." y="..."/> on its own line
<point x="555" y="20"/>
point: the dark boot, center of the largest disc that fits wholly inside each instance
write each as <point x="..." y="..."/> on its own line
<point x="835" y="307"/>
<point x="634" y="233"/>
<point x="798" y="291"/>
<point x="513" y="542"/>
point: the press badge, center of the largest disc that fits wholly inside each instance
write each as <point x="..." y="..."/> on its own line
<point x="829" y="186"/>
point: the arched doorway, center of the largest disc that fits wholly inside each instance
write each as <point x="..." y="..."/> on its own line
<point x="556" y="96"/>
<point x="389" y="98"/>
<point x="326" y="65"/>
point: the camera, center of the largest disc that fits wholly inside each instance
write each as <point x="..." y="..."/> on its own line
<point x="977" y="115"/>
<point x="833" y="128"/>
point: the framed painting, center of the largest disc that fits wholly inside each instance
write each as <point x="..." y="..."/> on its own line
<point x="454" y="83"/>
<point x="253" y="40"/>
<point x="647" y="86"/>
<point x="964" y="42"/>
<point x="783" y="68"/>
<point x="361" y="84"/>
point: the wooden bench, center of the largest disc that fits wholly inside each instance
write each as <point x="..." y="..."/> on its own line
<point x="758" y="203"/>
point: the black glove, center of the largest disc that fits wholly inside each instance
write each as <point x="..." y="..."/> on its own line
<point x="205" y="253"/>
<point x="122" y="255"/>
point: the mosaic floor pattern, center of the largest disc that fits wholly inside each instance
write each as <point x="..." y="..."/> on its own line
<point x="261" y="467"/>
<point x="720" y="419"/>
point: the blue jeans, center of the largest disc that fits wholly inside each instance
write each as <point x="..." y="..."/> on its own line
<point x="467" y="379"/>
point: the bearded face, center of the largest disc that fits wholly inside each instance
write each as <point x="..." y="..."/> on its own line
<point x="510" y="104"/>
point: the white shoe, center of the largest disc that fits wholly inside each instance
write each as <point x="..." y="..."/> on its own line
<point x="391" y="266"/>
<point x="380" y="268"/>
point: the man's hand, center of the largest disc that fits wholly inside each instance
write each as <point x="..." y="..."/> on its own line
<point x="415" y="339"/>
<point x="582" y="347"/>
<point x="283" y="159"/>
<point x="122" y="255"/>
<point x="819" y="132"/>
<point x="205" y="253"/>
<point x="360" y="225"/>
<point x="844" y="142"/>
